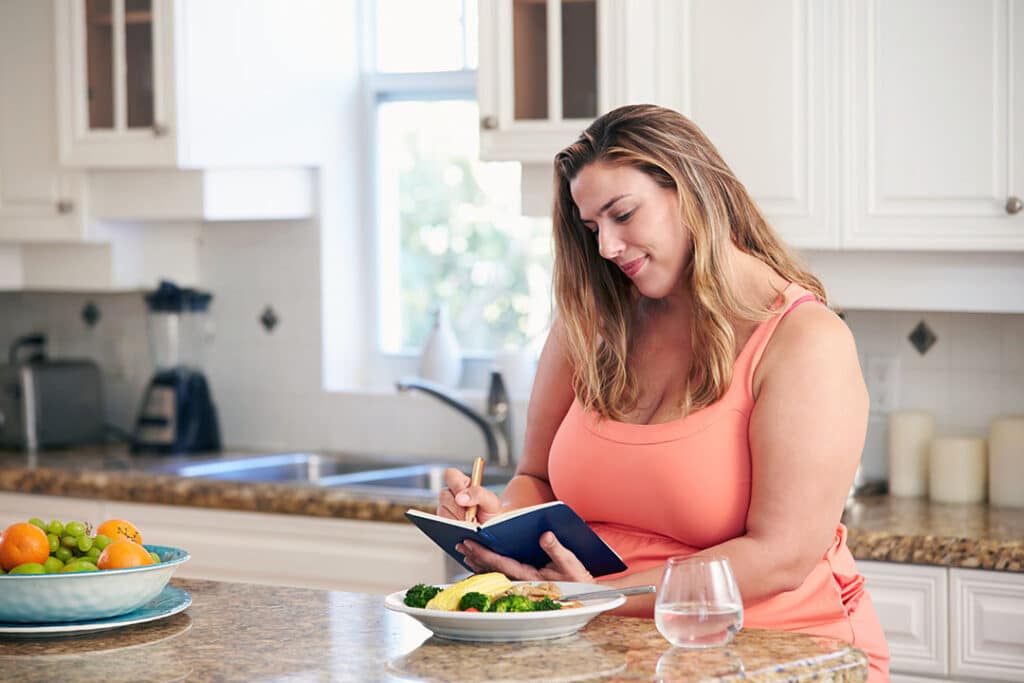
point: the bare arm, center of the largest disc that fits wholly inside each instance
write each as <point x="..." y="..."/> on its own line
<point x="549" y="402"/>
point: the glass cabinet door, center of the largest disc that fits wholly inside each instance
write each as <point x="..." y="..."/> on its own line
<point x="119" y="64"/>
<point x="554" y="59"/>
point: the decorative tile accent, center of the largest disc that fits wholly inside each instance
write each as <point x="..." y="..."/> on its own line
<point x="269" y="319"/>
<point x="922" y="338"/>
<point x="91" y="314"/>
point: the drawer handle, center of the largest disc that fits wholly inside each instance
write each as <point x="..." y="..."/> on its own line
<point x="1014" y="205"/>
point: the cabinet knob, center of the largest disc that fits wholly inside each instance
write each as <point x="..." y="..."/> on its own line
<point x="65" y="206"/>
<point x="489" y="122"/>
<point x="1014" y="205"/>
<point x="159" y="130"/>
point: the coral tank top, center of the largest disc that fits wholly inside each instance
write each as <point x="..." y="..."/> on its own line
<point x="652" y="491"/>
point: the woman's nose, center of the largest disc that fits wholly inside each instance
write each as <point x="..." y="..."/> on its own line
<point x="609" y="244"/>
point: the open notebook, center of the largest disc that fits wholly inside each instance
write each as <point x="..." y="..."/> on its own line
<point x="516" y="534"/>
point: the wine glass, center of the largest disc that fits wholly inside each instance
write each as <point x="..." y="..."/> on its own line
<point x="698" y="603"/>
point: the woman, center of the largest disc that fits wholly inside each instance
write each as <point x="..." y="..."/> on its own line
<point x="695" y="395"/>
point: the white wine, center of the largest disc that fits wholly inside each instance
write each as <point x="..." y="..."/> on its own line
<point x="694" y="624"/>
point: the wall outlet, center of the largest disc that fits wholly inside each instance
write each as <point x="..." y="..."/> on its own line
<point x="882" y="375"/>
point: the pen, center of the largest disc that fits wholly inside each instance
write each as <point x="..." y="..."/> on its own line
<point x="474" y="480"/>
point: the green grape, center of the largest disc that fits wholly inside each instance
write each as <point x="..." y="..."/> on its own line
<point x="101" y="541"/>
<point x="63" y="554"/>
<point x="54" y="542"/>
<point x="84" y="543"/>
<point x="55" y="527"/>
<point x="29" y="568"/>
<point x="74" y="529"/>
<point x="94" y="553"/>
<point x="80" y="566"/>
<point x="69" y="541"/>
<point x="35" y="521"/>
<point x="53" y="565"/>
<point x="156" y="558"/>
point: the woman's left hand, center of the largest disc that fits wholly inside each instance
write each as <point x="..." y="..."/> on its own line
<point x="564" y="565"/>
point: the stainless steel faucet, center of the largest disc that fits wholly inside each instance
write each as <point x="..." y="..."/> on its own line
<point x="496" y="424"/>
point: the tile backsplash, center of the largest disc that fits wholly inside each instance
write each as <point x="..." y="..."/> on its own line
<point x="267" y="379"/>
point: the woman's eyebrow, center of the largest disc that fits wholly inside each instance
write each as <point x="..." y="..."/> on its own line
<point x="607" y="205"/>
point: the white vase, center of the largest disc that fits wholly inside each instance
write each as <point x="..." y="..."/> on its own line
<point x="441" y="359"/>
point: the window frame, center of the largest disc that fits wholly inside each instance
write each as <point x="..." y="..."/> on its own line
<point x="375" y="88"/>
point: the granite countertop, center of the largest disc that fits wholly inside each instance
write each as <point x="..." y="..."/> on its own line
<point x="241" y="632"/>
<point x="880" y="527"/>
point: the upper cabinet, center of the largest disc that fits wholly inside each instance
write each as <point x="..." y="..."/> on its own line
<point x="855" y="125"/>
<point x="754" y="75"/>
<point x="190" y="83"/>
<point x="936" y="146"/>
<point x="544" y="74"/>
<point x="39" y="200"/>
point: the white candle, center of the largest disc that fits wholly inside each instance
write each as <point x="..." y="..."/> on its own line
<point x="1006" y="461"/>
<point x="910" y="436"/>
<point x="958" y="470"/>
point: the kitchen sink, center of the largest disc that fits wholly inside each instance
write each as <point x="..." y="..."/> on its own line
<point x="365" y="474"/>
<point x="424" y="479"/>
<point x="282" y="467"/>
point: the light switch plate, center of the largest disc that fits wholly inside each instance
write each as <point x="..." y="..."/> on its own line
<point x="882" y="375"/>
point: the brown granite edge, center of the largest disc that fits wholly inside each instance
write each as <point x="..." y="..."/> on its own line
<point x="157" y="489"/>
<point x="849" y="665"/>
<point x="944" y="551"/>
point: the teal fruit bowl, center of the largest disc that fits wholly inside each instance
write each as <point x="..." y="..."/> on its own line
<point x="83" y="596"/>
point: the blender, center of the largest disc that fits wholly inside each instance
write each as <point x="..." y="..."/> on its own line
<point x="177" y="413"/>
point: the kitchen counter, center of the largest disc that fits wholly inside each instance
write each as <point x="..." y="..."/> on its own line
<point x="880" y="527"/>
<point x="241" y="632"/>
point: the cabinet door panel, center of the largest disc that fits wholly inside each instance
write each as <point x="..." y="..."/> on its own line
<point x="987" y="610"/>
<point x="755" y="81"/>
<point x="911" y="602"/>
<point x="937" y="148"/>
<point x="38" y="201"/>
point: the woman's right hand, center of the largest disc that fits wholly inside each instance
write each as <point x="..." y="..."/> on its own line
<point x="455" y="500"/>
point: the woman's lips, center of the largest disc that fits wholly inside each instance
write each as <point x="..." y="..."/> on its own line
<point x="633" y="267"/>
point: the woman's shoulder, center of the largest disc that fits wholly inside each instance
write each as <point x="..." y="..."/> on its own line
<point x="809" y="338"/>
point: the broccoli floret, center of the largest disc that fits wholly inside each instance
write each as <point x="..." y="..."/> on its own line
<point x="420" y="594"/>
<point x="512" y="603"/>
<point x="474" y="599"/>
<point x="545" y="604"/>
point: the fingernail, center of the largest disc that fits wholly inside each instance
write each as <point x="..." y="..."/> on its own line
<point x="462" y="499"/>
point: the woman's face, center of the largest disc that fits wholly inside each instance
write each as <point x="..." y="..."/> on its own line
<point x="636" y="223"/>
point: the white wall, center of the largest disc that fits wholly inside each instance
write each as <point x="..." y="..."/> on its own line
<point x="267" y="385"/>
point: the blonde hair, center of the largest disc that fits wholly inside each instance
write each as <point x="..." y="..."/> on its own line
<point x="595" y="299"/>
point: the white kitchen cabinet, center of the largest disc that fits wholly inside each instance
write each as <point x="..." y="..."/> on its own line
<point x="935" y="142"/>
<point x="292" y="550"/>
<point x="987" y="613"/>
<point x="21" y="507"/>
<point x="912" y="602"/>
<point x="758" y="78"/>
<point x="545" y="71"/>
<point x="39" y="200"/>
<point x="263" y="548"/>
<point x="949" y="624"/>
<point x="192" y="83"/>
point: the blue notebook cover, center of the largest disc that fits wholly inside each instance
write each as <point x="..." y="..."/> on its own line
<point x="517" y="534"/>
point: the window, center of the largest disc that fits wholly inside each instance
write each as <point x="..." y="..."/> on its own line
<point x="449" y="229"/>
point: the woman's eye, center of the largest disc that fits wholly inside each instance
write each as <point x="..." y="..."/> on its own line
<point x="622" y="218"/>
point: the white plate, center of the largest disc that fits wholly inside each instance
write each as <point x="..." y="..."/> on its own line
<point x="495" y="627"/>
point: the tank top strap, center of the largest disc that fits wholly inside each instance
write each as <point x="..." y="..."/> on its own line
<point x="746" y="365"/>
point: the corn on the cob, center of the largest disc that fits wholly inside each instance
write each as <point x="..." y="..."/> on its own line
<point x="490" y="584"/>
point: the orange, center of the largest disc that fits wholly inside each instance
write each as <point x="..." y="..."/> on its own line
<point x="119" y="528"/>
<point x="23" y="542"/>
<point x="121" y="554"/>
